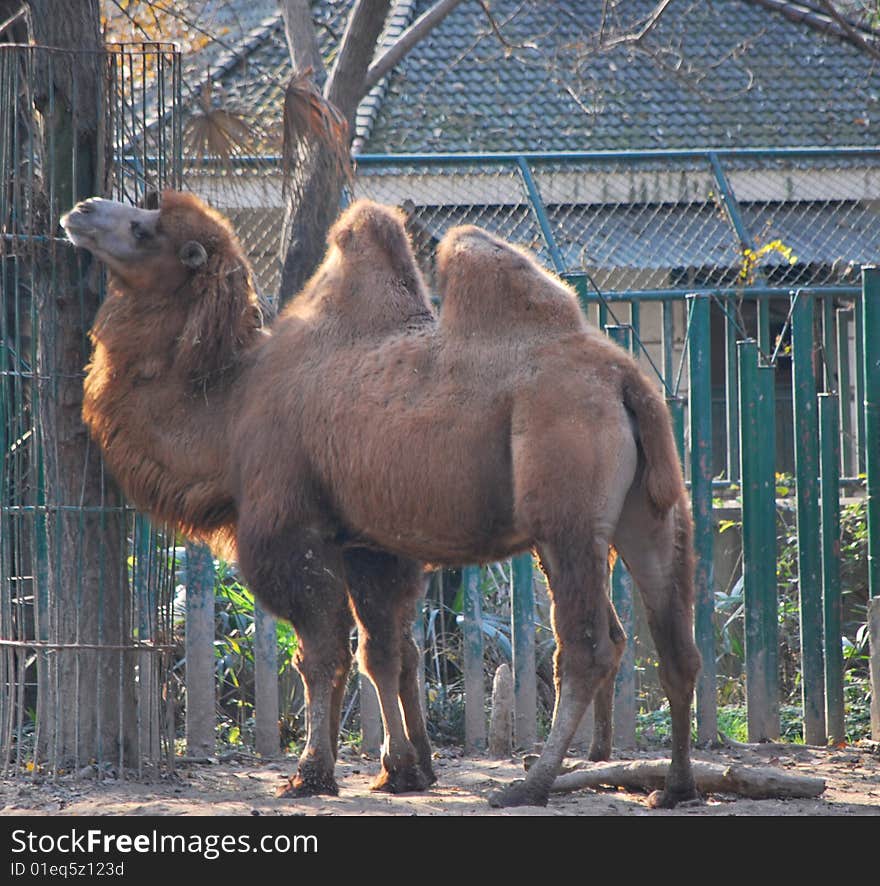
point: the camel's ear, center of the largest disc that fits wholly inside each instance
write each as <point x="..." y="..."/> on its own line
<point x="192" y="254"/>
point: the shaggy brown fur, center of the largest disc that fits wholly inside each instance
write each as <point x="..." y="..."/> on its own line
<point x="368" y="283"/>
<point x="354" y="457"/>
<point x="163" y="402"/>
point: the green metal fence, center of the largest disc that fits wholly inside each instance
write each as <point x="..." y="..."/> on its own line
<point x="85" y="584"/>
<point x="735" y="275"/>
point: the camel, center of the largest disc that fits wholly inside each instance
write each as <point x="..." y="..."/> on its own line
<point x="360" y="438"/>
<point x="171" y="346"/>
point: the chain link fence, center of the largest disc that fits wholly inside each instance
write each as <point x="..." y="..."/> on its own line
<point x="85" y="583"/>
<point x="665" y="220"/>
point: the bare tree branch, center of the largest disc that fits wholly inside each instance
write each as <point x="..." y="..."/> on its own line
<point x="850" y="33"/>
<point x="302" y="39"/>
<point x="497" y="31"/>
<point x="17" y="16"/>
<point x="649" y="24"/>
<point x="345" y="86"/>
<point x="426" y="22"/>
<point x="832" y="23"/>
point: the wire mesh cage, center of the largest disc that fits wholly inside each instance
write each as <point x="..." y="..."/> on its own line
<point x="85" y="583"/>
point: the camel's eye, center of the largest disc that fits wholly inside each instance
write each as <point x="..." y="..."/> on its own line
<point x="139" y="232"/>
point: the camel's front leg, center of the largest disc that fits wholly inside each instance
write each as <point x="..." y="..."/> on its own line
<point x="299" y="578"/>
<point x="383" y="589"/>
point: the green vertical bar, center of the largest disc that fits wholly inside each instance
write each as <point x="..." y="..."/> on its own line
<point x="620" y="335"/>
<point x="843" y="393"/>
<point x="635" y="322"/>
<point x="770" y="599"/>
<point x="699" y="362"/>
<point x="859" y="314"/>
<point x="625" y="684"/>
<point x="668" y="340"/>
<point x="758" y="544"/>
<point x="524" y="678"/>
<point x="676" y="411"/>
<point x="472" y="636"/>
<point x="806" y="459"/>
<point x="732" y="400"/>
<point x="829" y="345"/>
<point x="829" y="455"/>
<point x="871" y="387"/>
<point x="765" y="345"/>
<point x="622" y="597"/>
<point x="145" y="591"/>
<point x="603" y="314"/>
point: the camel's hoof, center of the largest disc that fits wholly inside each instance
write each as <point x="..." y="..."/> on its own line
<point x="430" y="775"/>
<point x="403" y="780"/>
<point x="516" y="794"/>
<point x="669" y="799"/>
<point x="308" y="785"/>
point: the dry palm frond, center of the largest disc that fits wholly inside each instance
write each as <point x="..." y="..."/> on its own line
<point x="308" y="114"/>
<point x="218" y="132"/>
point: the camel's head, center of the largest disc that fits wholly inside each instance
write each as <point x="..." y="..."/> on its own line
<point x="150" y="249"/>
<point x="180" y="259"/>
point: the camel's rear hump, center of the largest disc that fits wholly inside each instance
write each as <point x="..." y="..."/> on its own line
<point x="490" y="286"/>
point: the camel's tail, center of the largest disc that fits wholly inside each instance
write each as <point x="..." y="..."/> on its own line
<point x="663" y="479"/>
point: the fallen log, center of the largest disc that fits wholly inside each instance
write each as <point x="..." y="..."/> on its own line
<point x="756" y="783"/>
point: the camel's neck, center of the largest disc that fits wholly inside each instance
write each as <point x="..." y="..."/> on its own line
<point x="164" y="440"/>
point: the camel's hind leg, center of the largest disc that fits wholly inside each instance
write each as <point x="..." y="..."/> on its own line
<point x="569" y="489"/>
<point x="658" y="552"/>
<point x="585" y="657"/>
<point x="603" y="702"/>
<point x="299" y="578"/>
<point x="383" y="591"/>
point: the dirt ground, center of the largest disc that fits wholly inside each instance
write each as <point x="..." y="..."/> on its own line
<point x="243" y="785"/>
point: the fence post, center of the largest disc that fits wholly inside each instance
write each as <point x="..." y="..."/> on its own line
<point x="472" y="639"/>
<point x="756" y="414"/>
<point x="148" y="683"/>
<point x="699" y="366"/>
<point x="732" y="408"/>
<point x="371" y="717"/>
<point x="266" y="732"/>
<point x="200" y="685"/>
<point x="859" y="335"/>
<point x="847" y="434"/>
<point x="806" y="459"/>
<point x="625" y="684"/>
<point x="525" y="725"/>
<point x="870" y="374"/>
<point x="622" y="598"/>
<point x="829" y="455"/>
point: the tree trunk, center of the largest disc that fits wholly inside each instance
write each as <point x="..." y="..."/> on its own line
<point x="86" y="694"/>
<point x="312" y="193"/>
<point x="313" y="188"/>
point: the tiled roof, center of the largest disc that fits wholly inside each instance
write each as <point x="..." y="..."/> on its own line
<point x="254" y="73"/>
<point x="727" y="73"/>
